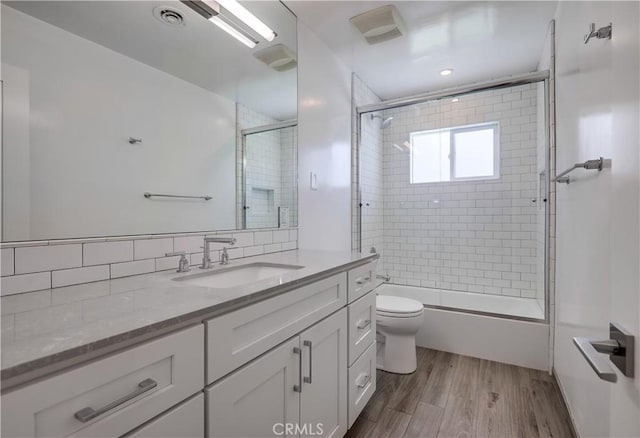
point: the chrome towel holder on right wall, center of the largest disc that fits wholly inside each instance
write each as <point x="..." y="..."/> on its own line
<point x="589" y="165"/>
<point x="603" y="32"/>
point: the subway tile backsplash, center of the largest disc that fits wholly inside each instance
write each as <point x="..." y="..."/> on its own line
<point x="61" y="264"/>
<point x="101" y="253"/>
<point x="48" y="258"/>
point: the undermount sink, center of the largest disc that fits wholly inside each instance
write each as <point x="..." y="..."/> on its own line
<point x="234" y="276"/>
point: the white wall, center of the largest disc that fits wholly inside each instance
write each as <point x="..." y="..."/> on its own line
<point x="598" y="214"/>
<point x="84" y="102"/>
<point x="324" y="145"/>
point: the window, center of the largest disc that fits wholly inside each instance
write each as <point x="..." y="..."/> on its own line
<point x="453" y="154"/>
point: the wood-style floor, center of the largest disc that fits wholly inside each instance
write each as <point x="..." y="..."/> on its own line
<point x="458" y="396"/>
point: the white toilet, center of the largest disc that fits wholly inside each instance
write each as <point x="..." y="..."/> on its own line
<point x="398" y="320"/>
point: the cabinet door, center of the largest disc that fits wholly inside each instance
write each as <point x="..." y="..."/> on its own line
<point x="185" y="421"/>
<point x="323" y="401"/>
<point x="259" y="399"/>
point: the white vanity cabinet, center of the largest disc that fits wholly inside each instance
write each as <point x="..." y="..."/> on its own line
<point x="237" y="337"/>
<point x="111" y="396"/>
<point x="298" y="387"/>
<point x="301" y="363"/>
<point x="362" y="339"/>
<point x="183" y="421"/>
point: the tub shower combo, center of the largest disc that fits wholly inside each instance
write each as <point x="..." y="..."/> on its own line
<point x="452" y="190"/>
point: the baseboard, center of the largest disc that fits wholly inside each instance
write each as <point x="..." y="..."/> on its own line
<point x="560" y="390"/>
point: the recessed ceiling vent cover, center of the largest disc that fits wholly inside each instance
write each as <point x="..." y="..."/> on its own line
<point x="169" y="16"/>
<point x="279" y="57"/>
<point x="380" y="24"/>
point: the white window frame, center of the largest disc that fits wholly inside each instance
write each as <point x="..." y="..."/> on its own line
<point x="495" y="126"/>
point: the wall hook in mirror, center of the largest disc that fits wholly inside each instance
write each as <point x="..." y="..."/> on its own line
<point x="603" y="32"/>
<point x="134" y="140"/>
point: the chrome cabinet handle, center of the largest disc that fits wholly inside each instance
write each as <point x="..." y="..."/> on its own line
<point x="363" y="324"/>
<point x="367" y="379"/>
<point x="361" y="281"/>
<point x="298" y="387"/>
<point x="310" y="345"/>
<point x="88" y="413"/>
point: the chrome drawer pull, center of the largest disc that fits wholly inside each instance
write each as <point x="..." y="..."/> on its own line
<point x="310" y="345"/>
<point x="367" y="379"/>
<point x="298" y="387"/>
<point x="88" y="413"/>
<point x="362" y="281"/>
<point x="363" y="324"/>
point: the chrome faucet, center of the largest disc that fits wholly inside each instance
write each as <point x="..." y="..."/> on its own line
<point x="206" y="258"/>
<point x="224" y="257"/>
<point x="183" y="263"/>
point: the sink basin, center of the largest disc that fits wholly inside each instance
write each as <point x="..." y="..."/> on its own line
<point x="234" y="276"/>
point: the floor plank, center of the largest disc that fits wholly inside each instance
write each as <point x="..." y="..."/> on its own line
<point x="521" y="417"/>
<point x="386" y="385"/>
<point x="425" y="421"/>
<point x="457" y="396"/>
<point x="392" y="424"/>
<point x="492" y="419"/>
<point x="459" y="418"/>
<point x="549" y="410"/>
<point x="362" y="428"/>
<point x="438" y="385"/>
<point x="465" y="379"/>
<point x="409" y="391"/>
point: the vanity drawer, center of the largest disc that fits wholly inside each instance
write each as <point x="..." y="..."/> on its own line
<point x="362" y="382"/>
<point x="130" y="388"/>
<point x="361" y="280"/>
<point x="183" y="421"/>
<point x="238" y="337"/>
<point x="362" y="325"/>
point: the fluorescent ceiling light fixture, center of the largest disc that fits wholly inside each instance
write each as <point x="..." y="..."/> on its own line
<point x="446" y="72"/>
<point x="232" y="31"/>
<point x="248" y="18"/>
<point x="455" y="99"/>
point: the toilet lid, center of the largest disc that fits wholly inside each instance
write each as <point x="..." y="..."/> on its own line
<point x="392" y="304"/>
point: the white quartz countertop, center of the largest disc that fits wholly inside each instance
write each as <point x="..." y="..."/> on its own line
<point x="133" y="309"/>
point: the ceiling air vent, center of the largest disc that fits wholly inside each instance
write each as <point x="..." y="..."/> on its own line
<point x="278" y="57"/>
<point x="380" y="24"/>
<point x="169" y="16"/>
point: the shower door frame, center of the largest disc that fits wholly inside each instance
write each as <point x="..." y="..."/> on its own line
<point x="292" y="123"/>
<point x="476" y="87"/>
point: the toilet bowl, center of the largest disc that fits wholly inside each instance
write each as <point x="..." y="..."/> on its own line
<point x="398" y="320"/>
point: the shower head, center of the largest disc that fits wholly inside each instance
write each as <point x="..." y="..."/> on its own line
<point x="386" y="121"/>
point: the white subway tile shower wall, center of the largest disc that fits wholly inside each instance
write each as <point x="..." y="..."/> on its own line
<point x="247" y="118"/>
<point x="474" y="236"/>
<point x="369" y="156"/>
<point x="82" y="262"/>
<point x="271" y="171"/>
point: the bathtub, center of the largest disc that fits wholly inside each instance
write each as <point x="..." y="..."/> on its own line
<point x="505" y="329"/>
<point x="493" y="305"/>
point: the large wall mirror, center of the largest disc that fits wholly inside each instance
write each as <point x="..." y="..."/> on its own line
<point x="109" y="105"/>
